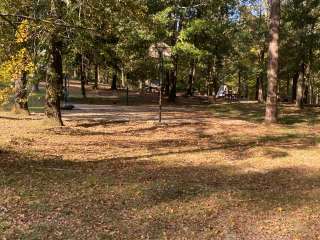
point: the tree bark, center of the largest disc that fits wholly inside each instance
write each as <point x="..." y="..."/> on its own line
<point x="167" y="83"/>
<point x="83" y="78"/>
<point x="21" y="94"/>
<point x="173" y="82"/>
<point x="311" y="92"/>
<point x="114" y="82"/>
<point x="294" y="87"/>
<point x="86" y="74"/>
<point x="239" y="84"/>
<point x="259" y="89"/>
<point x="106" y="75"/>
<point x="273" y="66"/>
<point x="192" y="75"/>
<point x="123" y="80"/>
<point x="301" y="87"/>
<point x="209" y="80"/>
<point x="260" y="83"/>
<point x="96" y="76"/>
<point x="54" y="82"/>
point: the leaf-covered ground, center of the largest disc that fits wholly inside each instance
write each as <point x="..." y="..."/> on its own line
<point x="206" y="173"/>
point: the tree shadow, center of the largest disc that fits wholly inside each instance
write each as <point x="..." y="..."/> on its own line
<point x="165" y="183"/>
<point x="253" y="112"/>
<point x="124" y="192"/>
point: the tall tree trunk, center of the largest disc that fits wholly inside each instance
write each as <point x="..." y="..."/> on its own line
<point x="260" y="83"/>
<point x="21" y="94"/>
<point x="86" y="74"/>
<point x="294" y="87"/>
<point x="215" y="78"/>
<point x="123" y="78"/>
<point x="54" y="82"/>
<point x="192" y="75"/>
<point x="245" y="88"/>
<point x="311" y="91"/>
<point x="288" y="89"/>
<point x="301" y="87"/>
<point x="215" y="85"/>
<point x="209" y="80"/>
<point x="173" y="82"/>
<point x="96" y="76"/>
<point x="167" y="83"/>
<point x="273" y="67"/>
<point x="106" y="76"/>
<point x="83" y="78"/>
<point x="114" y="82"/>
<point x="259" y="89"/>
<point x="239" y="84"/>
<point x="308" y="87"/>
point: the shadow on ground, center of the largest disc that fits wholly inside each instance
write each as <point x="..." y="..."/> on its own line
<point x="253" y="112"/>
<point x="131" y="198"/>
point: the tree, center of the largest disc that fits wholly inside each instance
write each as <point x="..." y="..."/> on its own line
<point x="273" y="67"/>
<point x="54" y="79"/>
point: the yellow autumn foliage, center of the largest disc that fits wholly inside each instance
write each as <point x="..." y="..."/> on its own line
<point x="22" y="33"/>
<point x="20" y="62"/>
<point x="4" y="94"/>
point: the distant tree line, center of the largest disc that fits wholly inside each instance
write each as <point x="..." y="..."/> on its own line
<point x="242" y="44"/>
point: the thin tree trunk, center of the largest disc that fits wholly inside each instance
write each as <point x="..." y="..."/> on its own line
<point x="209" y="80"/>
<point x="114" y="82"/>
<point x="123" y="83"/>
<point x="312" y="92"/>
<point x="245" y="88"/>
<point x="106" y="75"/>
<point x="21" y="94"/>
<point x="166" y="83"/>
<point x="215" y="78"/>
<point x="96" y="76"/>
<point x="192" y="74"/>
<point x="260" y="87"/>
<point x="173" y="82"/>
<point x="86" y="74"/>
<point x="239" y="84"/>
<point x="273" y="67"/>
<point x="260" y="83"/>
<point x="301" y="87"/>
<point x="82" y="78"/>
<point x="288" y="89"/>
<point x="294" y="87"/>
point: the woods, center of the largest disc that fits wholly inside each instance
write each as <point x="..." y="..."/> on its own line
<point x="213" y="44"/>
<point x="159" y="119"/>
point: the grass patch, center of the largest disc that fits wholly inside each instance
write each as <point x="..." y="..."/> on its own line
<point x="253" y="112"/>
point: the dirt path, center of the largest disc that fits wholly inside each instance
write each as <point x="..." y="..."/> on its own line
<point x="145" y="113"/>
